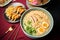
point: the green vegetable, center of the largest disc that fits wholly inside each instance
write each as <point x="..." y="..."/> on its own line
<point x="28" y="28"/>
<point x="29" y="22"/>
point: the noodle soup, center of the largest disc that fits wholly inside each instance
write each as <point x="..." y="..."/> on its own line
<point x="36" y="22"/>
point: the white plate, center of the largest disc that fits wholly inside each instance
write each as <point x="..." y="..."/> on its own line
<point x="14" y="4"/>
<point x="7" y="2"/>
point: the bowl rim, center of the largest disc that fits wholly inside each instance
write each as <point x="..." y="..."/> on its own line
<point x="40" y="4"/>
<point x="51" y="25"/>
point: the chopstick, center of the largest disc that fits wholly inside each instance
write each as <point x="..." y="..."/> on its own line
<point x="12" y="33"/>
<point x="15" y="34"/>
<point x="9" y="30"/>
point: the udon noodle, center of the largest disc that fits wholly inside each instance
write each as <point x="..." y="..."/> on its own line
<point x="36" y="22"/>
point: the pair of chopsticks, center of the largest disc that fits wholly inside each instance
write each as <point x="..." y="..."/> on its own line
<point x="13" y="37"/>
<point x="15" y="32"/>
<point x="8" y="30"/>
<point x="11" y="33"/>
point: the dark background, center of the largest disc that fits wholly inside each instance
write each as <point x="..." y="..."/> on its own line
<point x="54" y="8"/>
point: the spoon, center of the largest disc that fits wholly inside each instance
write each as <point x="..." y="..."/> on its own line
<point x="10" y="29"/>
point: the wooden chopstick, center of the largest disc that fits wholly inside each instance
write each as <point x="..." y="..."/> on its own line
<point x="15" y="34"/>
<point x="12" y="32"/>
<point x="6" y="32"/>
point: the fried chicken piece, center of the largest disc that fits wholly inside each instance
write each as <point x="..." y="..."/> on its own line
<point x="14" y="13"/>
<point x="9" y="11"/>
<point x="15" y="16"/>
<point x="16" y="8"/>
<point x="20" y="10"/>
<point x="9" y="15"/>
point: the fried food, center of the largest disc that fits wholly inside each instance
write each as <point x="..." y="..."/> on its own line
<point x="13" y="13"/>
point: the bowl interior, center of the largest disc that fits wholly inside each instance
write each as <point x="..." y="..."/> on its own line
<point x="47" y="13"/>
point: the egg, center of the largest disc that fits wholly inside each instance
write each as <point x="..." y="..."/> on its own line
<point x="41" y="30"/>
<point x="45" y="25"/>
